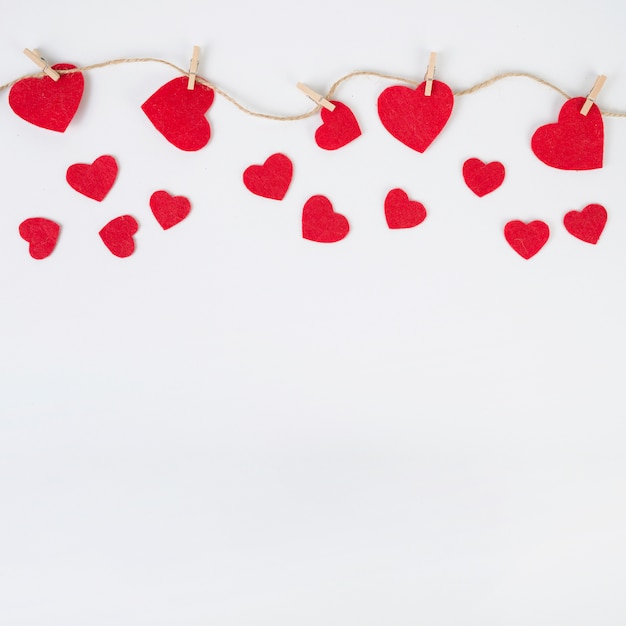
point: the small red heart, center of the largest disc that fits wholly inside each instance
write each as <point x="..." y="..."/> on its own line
<point x="178" y="113"/>
<point x="321" y="223"/>
<point x="526" y="239"/>
<point x="169" y="210"/>
<point x="339" y="127"/>
<point x="414" y="118"/>
<point x="401" y="212"/>
<point x="47" y="103"/>
<point x="117" y="235"/>
<point x="483" y="178"/>
<point x="93" y="180"/>
<point x="272" y="179"/>
<point x="587" y="224"/>
<point x="575" y="142"/>
<point x="41" y="234"/>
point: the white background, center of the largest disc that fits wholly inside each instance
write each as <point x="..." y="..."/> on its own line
<point x="239" y="427"/>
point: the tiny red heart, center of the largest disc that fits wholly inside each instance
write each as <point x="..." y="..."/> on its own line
<point x="41" y="234"/>
<point x="93" y="180"/>
<point x="401" y="212"/>
<point x="178" y="113"/>
<point x="117" y="235"/>
<point x="586" y="224"/>
<point x="483" y="178"/>
<point x="320" y="222"/>
<point x="339" y="127"/>
<point x="169" y="210"/>
<point x="270" y="180"/>
<point x="526" y="239"/>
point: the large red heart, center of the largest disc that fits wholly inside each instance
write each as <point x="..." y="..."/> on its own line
<point x="117" y="235"/>
<point x="339" y="127"/>
<point x="42" y="235"/>
<point x="414" y="118"/>
<point x="169" y="210"/>
<point x="47" y="103"/>
<point x="587" y="224"/>
<point x="575" y="142"/>
<point x="178" y="113"/>
<point x="401" y="212"/>
<point x="320" y="222"/>
<point x="93" y="180"/>
<point x="272" y="179"/>
<point x="526" y="239"/>
<point x="483" y="178"/>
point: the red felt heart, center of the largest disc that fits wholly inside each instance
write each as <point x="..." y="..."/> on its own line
<point x="270" y="180"/>
<point x="42" y="235"/>
<point x="320" y="223"/>
<point x="587" y="224"/>
<point x="526" y="239"/>
<point x="401" y="212"/>
<point x="169" y="210"/>
<point x="95" y="180"/>
<point x="178" y="113"/>
<point x="339" y="127"/>
<point x="47" y="103"/>
<point x="117" y="235"/>
<point x="414" y="118"/>
<point x="483" y="178"/>
<point x="575" y="142"/>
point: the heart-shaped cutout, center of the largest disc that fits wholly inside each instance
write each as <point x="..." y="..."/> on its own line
<point x="526" y="239"/>
<point x="272" y="179"/>
<point x="47" y="103"/>
<point x="169" y="210"/>
<point x="41" y="234"/>
<point x="339" y="127"/>
<point x="178" y="113"/>
<point x="93" y="180"/>
<point x="117" y="235"/>
<point x="320" y="222"/>
<point x="587" y="224"/>
<point x="414" y="118"/>
<point x="575" y="141"/>
<point x="483" y="178"/>
<point x="401" y="212"/>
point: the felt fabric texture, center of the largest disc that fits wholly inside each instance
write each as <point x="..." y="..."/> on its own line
<point x="526" y="239"/>
<point x="414" y="118"/>
<point x="47" y="103"/>
<point x="272" y="179"/>
<point x="587" y="224"/>
<point x="117" y="235"/>
<point x="41" y="234"/>
<point x="401" y="212"/>
<point x="178" y="113"/>
<point x="483" y="178"/>
<point x="575" y="141"/>
<point x="320" y="222"/>
<point x="169" y="210"/>
<point x="93" y="180"/>
<point x="339" y="127"/>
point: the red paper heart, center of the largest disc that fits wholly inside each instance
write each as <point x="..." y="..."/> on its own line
<point x="320" y="223"/>
<point x="95" y="180"/>
<point x="169" y="210"/>
<point x="42" y="235"/>
<point x="117" y="235"/>
<point x="526" y="239"/>
<point x="587" y="224"/>
<point x="401" y="212"/>
<point x="575" y="142"/>
<point x="414" y="118"/>
<point x="339" y="127"/>
<point x="47" y="103"/>
<point x="178" y="113"/>
<point x="270" y="180"/>
<point x="483" y="178"/>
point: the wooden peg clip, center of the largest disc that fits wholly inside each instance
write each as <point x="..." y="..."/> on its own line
<point x="41" y="63"/>
<point x="593" y="94"/>
<point x="319" y="100"/>
<point x="430" y="74"/>
<point x="193" y="68"/>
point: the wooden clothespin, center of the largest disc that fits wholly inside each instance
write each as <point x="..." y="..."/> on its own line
<point x="593" y="94"/>
<point x="193" y="67"/>
<point x="430" y="74"/>
<point x="41" y="63"/>
<point x="319" y="100"/>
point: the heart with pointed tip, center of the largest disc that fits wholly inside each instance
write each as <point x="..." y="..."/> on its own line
<point x="272" y="179"/>
<point x="526" y="239"/>
<point x="117" y="235"/>
<point x="320" y="222"/>
<point x="401" y="212"/>
<point x="483" y="178"/>
<point x="169" y="210"/>
<point x="339" y="127"/>
<point x="93" y="180"/>
<point x="587" y="224"/>
<point x="41" y="234"/>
